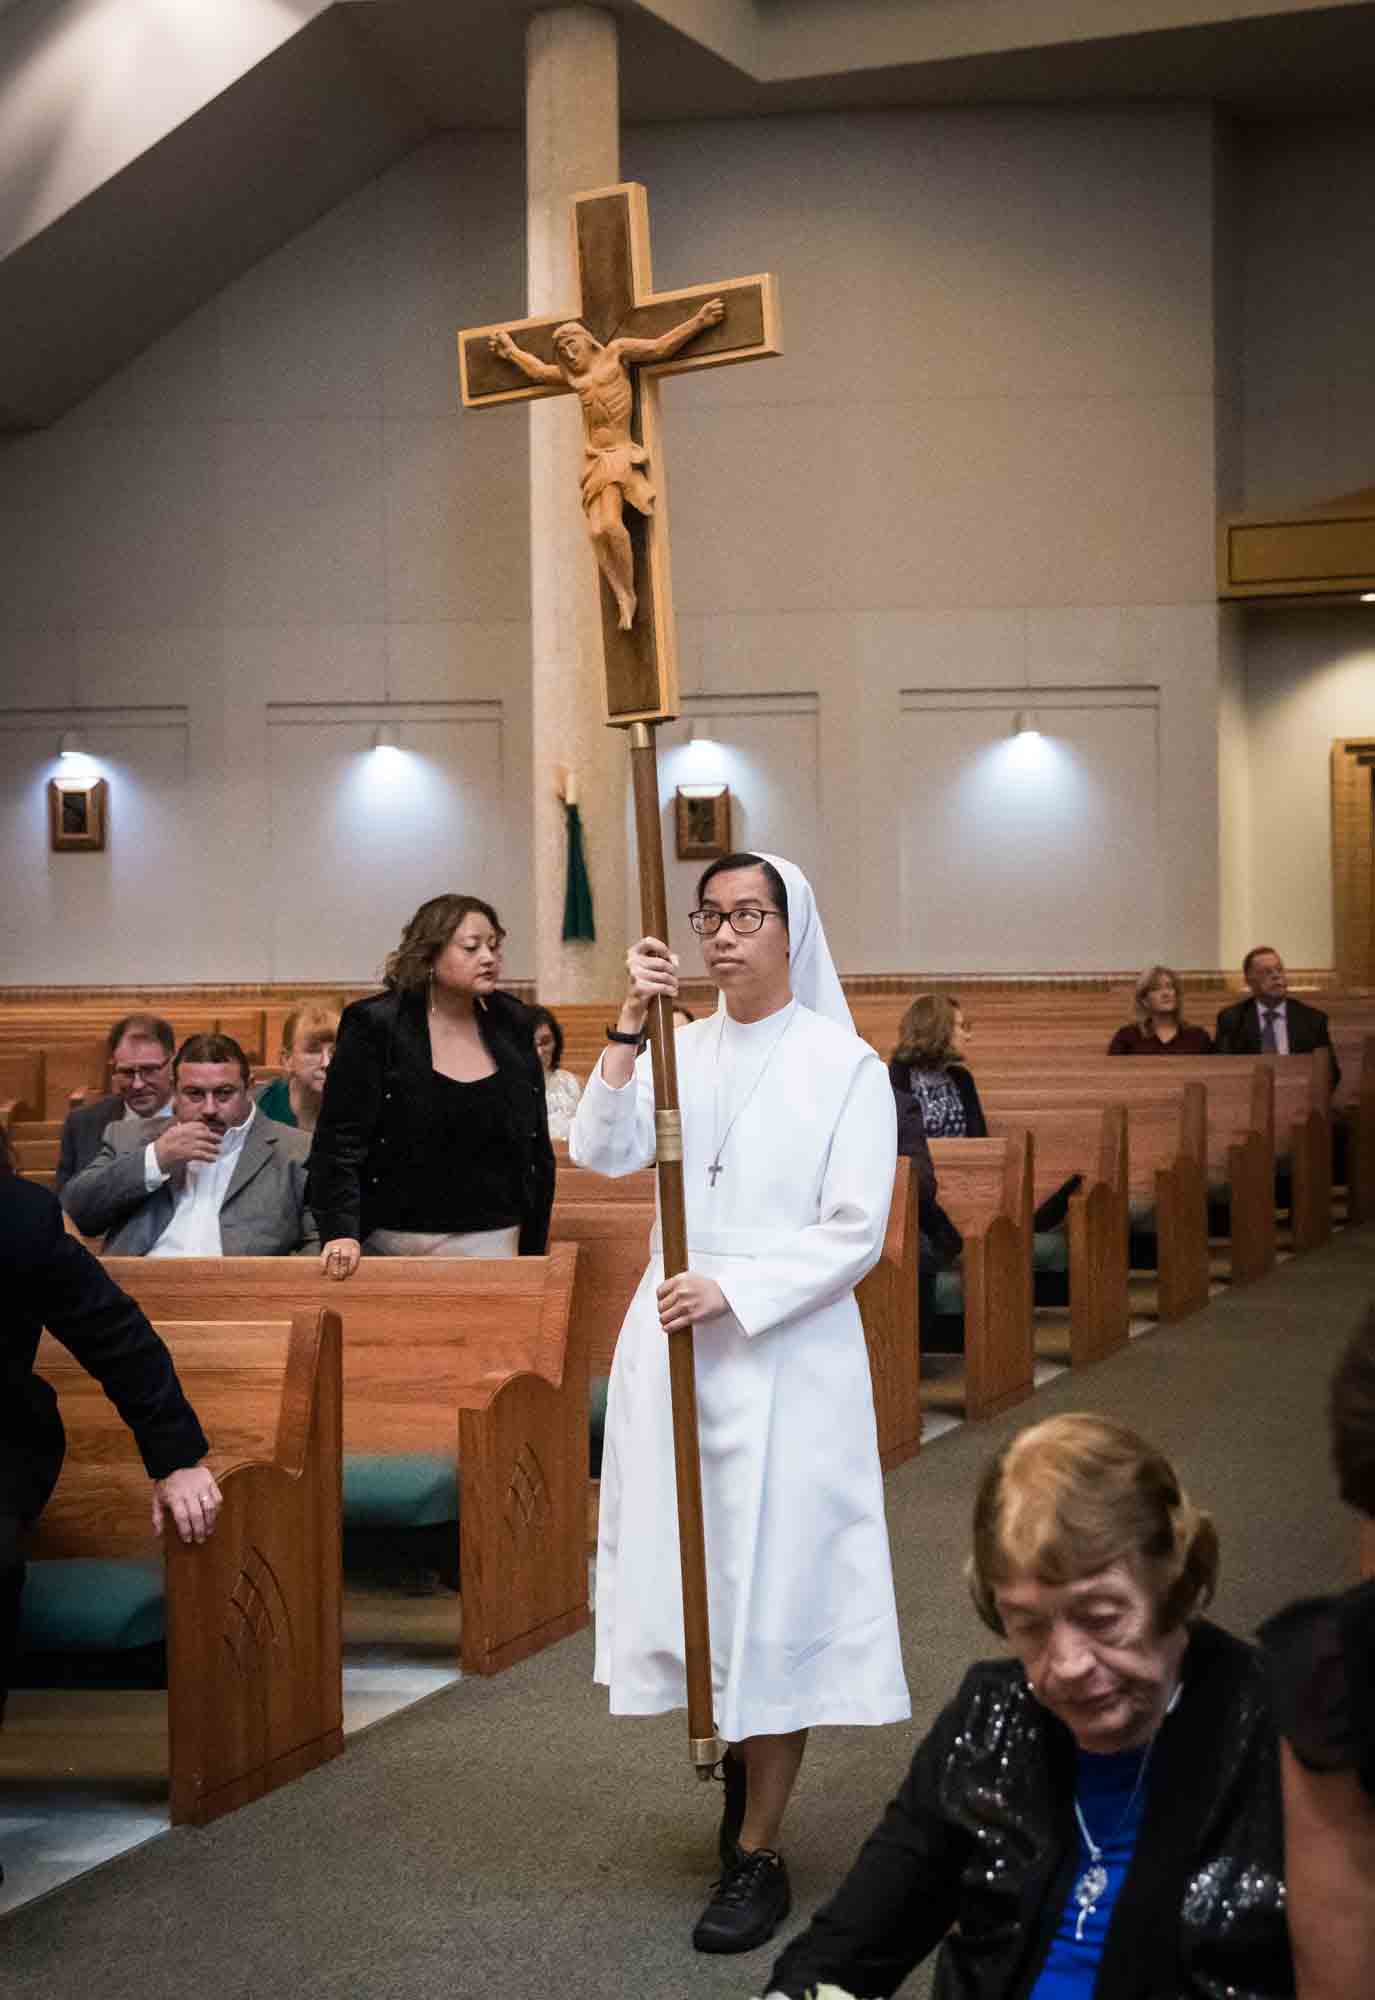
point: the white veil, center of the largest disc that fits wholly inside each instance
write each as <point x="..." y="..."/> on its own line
<point x="811" y="969"/>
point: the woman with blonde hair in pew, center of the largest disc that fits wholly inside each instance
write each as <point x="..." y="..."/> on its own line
<point x="309" y="1033"/>
<point x="1160" y="1028"/>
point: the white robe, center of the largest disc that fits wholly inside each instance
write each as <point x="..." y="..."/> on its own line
<point x="800" y="1587"/>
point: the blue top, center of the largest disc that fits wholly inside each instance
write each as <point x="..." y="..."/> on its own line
<point x="1103" y="1787"/>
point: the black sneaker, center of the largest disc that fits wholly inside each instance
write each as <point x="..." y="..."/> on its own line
<point x="747" y="1905"/>
<point x="733" y="1777"/>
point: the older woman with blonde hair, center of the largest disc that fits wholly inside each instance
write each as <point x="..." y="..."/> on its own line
<point x="1160" y="1028"/>
<point x="1100" y="1814"/>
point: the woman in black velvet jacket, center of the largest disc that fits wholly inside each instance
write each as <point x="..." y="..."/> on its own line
<point x="408" y="1153"/>
<point x="1094" y="1564"/>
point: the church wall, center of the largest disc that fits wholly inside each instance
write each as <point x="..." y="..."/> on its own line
<point x="1310" y="678"/>
<point x="1309" y="435"/>
<point x="278" y="525"/>
<point x="986" y="461"/>
<point x="982" y="476"/>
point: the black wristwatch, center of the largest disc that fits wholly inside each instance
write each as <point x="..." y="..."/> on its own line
<point x="631" y="1041"/>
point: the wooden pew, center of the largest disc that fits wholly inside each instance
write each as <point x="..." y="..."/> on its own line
<point x="446" y="1356"/>
<point x="21" y="1081"/>
<point x="1090" y="1141"/>
<point x="254" y="1665"/>
<point x="613" y="1235"/>
<point x="1167" y="1167"/>
<point x="1303" y="1133"/>
<point x="1240" y="1128"/>
<point x="985" y="1188"/>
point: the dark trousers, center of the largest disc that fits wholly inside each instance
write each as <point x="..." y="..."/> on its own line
<point x="11" y="1589"/>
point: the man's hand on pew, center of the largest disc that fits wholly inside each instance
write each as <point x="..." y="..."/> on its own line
<point x="339" y="1259"/>
<point x="192" y="1498"/>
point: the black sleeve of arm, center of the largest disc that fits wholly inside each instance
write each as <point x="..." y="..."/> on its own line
<point x="85" y="1309"/>
<point x="344" y="1135"/>
<point x="912" y="1143"/>
<point x="898" y="1900"/>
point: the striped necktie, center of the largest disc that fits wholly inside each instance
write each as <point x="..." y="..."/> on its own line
<point x="1268" y="1045"/>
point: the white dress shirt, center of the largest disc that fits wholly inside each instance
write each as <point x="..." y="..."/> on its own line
<point x="1278" y="1008"/>
<point x="194" y="1230"/>
<point x="129" y="1112"/>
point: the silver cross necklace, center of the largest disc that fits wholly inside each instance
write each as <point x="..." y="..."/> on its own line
<point x="715" y="1170"/>
<point x="1093" y="1880"/>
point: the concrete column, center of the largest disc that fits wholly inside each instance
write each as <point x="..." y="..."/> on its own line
<point x="572" y="123"/>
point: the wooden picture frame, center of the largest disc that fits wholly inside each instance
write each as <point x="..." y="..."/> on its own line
<point x="77" y="815"/>
<point x="701" y="822"/>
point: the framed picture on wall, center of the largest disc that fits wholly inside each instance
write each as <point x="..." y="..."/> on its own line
<point x="702" y="822"/>
<point x="77" y="815"/>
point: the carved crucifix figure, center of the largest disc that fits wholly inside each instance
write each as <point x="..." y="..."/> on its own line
<point x="609" y="349"/>
<point x="599" y="377"/>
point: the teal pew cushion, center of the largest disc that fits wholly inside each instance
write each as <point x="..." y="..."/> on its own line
<point x="947" y="1293"/>
<point x="84" y="1605"/>
<point x="1050" y="1250"/>
<point x="412" y="1489"/>
<point x="596" y="1422"/>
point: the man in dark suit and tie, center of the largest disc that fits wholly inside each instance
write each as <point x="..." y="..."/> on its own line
<point x="140" y="1054"/>
<point x="1270" y="1022"/>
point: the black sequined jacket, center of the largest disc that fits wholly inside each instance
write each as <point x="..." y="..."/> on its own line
<point x="979" y="1849"/>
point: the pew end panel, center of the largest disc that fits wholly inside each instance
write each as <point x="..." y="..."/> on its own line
<point x="985" y="1186"/>
<point x="255" y="1634"/>
<point x="253" y="1615"/>
<point x="1361" y="1152"/>
<point x="523" y="1572"/>
<point x="887" y="1300"/>
<point x="1089" y="1140"/>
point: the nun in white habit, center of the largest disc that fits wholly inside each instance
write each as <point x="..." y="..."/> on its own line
<point x="789" y="1151"/>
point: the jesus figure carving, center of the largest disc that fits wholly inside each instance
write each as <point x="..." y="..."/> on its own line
<point x="599" y="377"/>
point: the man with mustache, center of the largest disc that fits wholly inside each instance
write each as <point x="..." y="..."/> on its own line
<point x="219" y="1179"/>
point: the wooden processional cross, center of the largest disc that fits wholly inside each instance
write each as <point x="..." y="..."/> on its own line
<point x="609" y="350"/>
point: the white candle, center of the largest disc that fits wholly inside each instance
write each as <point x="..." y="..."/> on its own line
<point x="570" y="788"/>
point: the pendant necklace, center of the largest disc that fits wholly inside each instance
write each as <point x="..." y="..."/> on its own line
<point x="715" y="1170"/>
<point x="1093" y="1880"/>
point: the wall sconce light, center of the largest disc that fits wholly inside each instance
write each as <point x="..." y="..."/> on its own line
<point x="71" y="744"/>
<point x="386" y="736"/>
<point x="700" y="732"/>
<point x="1024" y="723"/>
<point x="1368" y="597"/>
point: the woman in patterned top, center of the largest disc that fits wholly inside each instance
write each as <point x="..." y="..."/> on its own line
<point x="929" y="1062"/>
<point x="561" y="1088"/>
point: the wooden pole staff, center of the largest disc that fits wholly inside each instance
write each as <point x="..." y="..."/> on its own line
<point x="704" y="1749"/>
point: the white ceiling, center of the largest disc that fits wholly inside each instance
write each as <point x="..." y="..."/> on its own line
<point x="369" y="79"/>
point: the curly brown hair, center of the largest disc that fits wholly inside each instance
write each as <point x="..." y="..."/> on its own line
<point x="407" y="969"/>
<point x="927" y="1031"/>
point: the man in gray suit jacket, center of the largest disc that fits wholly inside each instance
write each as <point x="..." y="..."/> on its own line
<point x="217" y="1179"/>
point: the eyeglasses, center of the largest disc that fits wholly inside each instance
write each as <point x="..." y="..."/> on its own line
<point x="744" y="923"/>
<point x="139" y="1072"/>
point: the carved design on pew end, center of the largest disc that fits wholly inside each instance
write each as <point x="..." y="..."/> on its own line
<point x="257" y="1621"/>
<point x="528" y="1504"/>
